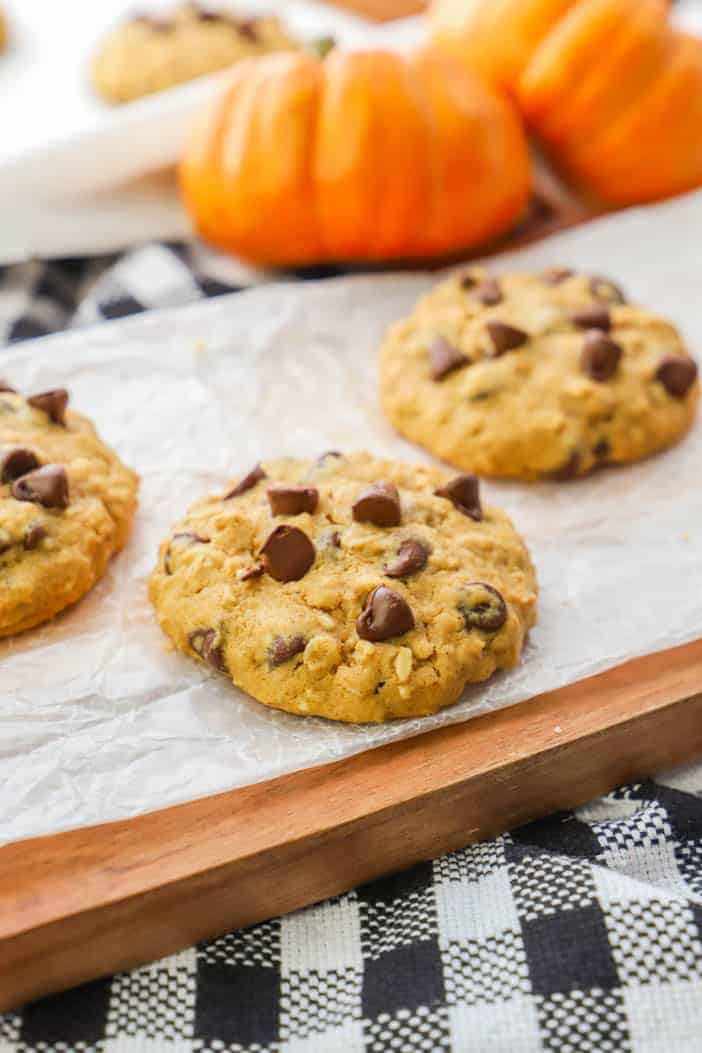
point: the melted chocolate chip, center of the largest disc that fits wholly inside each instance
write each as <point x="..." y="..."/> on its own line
<point x="412" y="556"/>
<point x="378" y="504"/>
<point x="488" y="292"/>
<point x="568" y="470"/>
<point x="53" y="403"/>
<point x="204" y="643"/>
<point x="444" y="358"/>
<point x="47" y="486"/>
<point x="464" y="493"/>
<point x="594" y="316"/>
<point x="602" y="449"/>
<point x="600" y="356"/>
<point x="385" y="614"/>
<point x="335" y="539"/>
<point x="327" y="454"/>
<point x="556" y="275"/>
<point x="468" y="281"/>
<point x="604" y="289"/>
<point x="285" y="647"/>
<point x="247" y="483"/>
<point x="248" y="27"/>
<point x="677" y="375"/>
<point x="292" y="500"/>
<point x="254" y="571"/>
<point x="33" y="536"/>
<point x="186" y="538"/>
<point x="483" y="607"/>
<point x="16" y="461"/>
<point x="288" y="553"/>
<point x="505" y="337"/>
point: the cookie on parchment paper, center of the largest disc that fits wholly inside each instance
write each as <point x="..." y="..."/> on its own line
<point x="348" y="587"/>
<point x="66" y="506"/>
<point x="536" y="375"/>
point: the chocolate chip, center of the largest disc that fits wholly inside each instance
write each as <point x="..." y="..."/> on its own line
<point x="4" y="386"/>
<point x="254" y="571"/>
<point x="247" y="483"/>
<point x="16" y="461"/>
<point x="288" y="553"/>
<point x="335" y="539"/>
<point x="556" y="275"/>
<point x="677" y="375"/>
<point x="604" y="289"/>
<point x="505" y="337"/>
<point x="444" y="358"/>
<point x="204" y="643"/>
<point x="378" y="504"/>
<point x="285" y="647"/>
<point x="248" y="27"/>
<point x="483" y="607"/>
<point x="327" y="454"/>
<point x="464" y="493"/>
<point x="602" y="449"/>
<point x="568" y="470"/>
<point x="468" y="281"/>
<point x="292" y="500"/>
<point x="33" y="536"/>
<point x="594" y="316"/>
<point x="600" y="356"/>
<point x="187" y="538"/>
<point x="488" y="292"/>
<point x="412" y="556"/>
<point x="385" y="614"/>
<point x="47" y="486"/>
<point x="53" y="403"/>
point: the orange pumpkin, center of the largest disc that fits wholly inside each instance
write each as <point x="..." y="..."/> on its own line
<point x="495" y="37"/>
<point x="608" y="87"/>
<point x="364" y="155"/>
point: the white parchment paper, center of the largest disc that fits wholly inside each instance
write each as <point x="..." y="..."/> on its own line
<point x="99" y="720"/>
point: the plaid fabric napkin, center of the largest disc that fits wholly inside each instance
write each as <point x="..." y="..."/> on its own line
<point x="578" y="934"/>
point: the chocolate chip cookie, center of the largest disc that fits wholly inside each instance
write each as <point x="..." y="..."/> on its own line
<point x="148" y="53"/>
<point x="66" y="505"/>
<point x="348" y="587"/>
<point x="536" y="375"/>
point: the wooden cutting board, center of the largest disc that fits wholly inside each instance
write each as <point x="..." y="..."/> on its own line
<point x="89" y="902"/>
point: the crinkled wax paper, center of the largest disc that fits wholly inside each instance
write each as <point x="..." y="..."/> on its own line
<point x="100" y="720"/>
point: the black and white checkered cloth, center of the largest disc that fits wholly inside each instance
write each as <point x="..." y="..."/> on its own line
<point x="578" y="934"/>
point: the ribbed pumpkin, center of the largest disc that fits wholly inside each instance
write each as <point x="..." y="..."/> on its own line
<point x="361" y="156"/>
<point x="609" y="88"/>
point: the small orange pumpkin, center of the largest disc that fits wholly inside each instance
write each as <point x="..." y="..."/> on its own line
<point x="361" y="156"/>
<point x="606" y="85"/>
<point x="495" y="37"/>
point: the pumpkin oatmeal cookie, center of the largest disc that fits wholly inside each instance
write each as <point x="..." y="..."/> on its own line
<point x="347" y="587"/>
<point x="536" y="375"/>
<point x="66" y="506"/>
<point x="148" y="53"/>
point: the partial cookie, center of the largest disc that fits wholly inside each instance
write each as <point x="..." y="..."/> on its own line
<point x="536" y="375"/>
<point x="347" y="587"/>
<point x="66" y="505"/>
<point x="3" y="31"/>
<point x="151" y="52"/>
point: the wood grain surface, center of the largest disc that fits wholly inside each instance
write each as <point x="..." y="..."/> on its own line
<point x="86" y="903"/>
